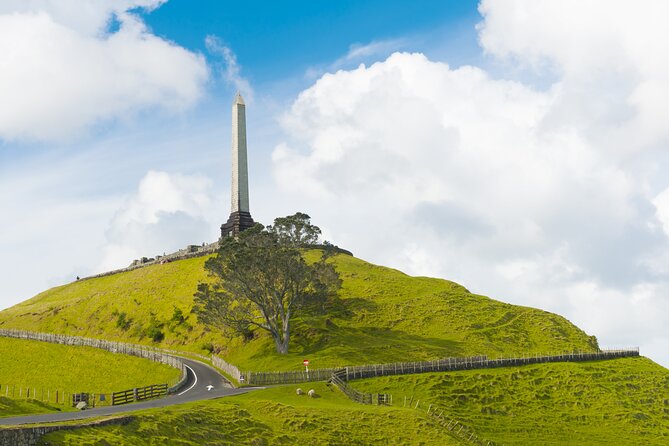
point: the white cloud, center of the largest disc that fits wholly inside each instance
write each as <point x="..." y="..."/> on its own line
<point x="359" y="53"/>
<point x="58" y="205"/>
<point x="166" y="210"/>
<point x="540" y="196"/>
<point x="610" y="57"/>
<point x="61" y="72"/>
<point x="231" y="70"/>
<point x="88" y="17"/>
<point x="661" y="203"/>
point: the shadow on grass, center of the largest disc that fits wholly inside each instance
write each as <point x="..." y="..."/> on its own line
<point x="364" y="345"/>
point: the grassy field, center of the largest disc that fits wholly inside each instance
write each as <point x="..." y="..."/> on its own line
<point x="619" y="402"/>
<point x="48" y="367"/>
<point x="383" y="315"/>
<point x="273" y="416"/>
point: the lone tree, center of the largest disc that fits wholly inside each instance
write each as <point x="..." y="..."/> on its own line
<point x="262" y="281"/>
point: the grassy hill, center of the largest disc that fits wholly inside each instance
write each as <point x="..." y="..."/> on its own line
<point x="619" y="402"/>
<point x="384" y="315"/>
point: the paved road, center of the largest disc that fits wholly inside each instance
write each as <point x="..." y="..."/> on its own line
<point x="200" y="376"/>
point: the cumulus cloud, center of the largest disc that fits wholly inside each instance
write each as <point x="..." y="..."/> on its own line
<point x="63" y="67"/>
<point x="166" y="210"/>
<point x="609" y="58"/>
<point x="547" y="196"/>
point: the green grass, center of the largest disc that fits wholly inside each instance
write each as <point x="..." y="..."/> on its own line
<point x="93" y="307"/>
<point x="11" y="407"/>
<point x="619" y="402"/>
<point x="383" y="315"/>
<point x="274" y="416"/>
<point x="45" y="368"/>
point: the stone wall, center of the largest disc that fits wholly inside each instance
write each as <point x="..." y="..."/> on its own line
<point x="187" y="253"/>
<point x="194" y="251"/>
<point x="30" y="436"/>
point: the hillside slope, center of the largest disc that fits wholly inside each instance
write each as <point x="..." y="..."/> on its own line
<point x="383" y="315"/>
<point x="619" y="402"/>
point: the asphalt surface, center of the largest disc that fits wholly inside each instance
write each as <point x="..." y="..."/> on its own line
<point x="200" y="376"/>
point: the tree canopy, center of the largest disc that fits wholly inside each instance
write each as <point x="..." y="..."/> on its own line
<point x="262" y="281"/>
<point x="295" y="230"/>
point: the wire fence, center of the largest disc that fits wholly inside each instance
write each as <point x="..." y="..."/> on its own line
<point x="60" y="396"/>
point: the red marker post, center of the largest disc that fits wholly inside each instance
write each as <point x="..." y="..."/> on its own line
<point x="306" y="366"/>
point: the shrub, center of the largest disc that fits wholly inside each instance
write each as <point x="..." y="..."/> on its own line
<point x="155" y="333"/>
<point x="123" y="321"/>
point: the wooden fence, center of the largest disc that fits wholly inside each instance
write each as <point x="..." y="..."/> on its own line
<point x="456" y="428"/>
<point x="138" y="394"/>
<point x="380" y="399"/>
<point x="141" y="351"/>
<point x="298" y="376"/>
<point x="291" y="377"/>
<point x="441" y="365"/>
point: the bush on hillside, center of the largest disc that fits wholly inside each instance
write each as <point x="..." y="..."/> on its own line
<point x="123" y="321"/>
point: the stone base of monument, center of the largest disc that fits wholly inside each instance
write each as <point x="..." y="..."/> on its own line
<point x="237" y="222"/>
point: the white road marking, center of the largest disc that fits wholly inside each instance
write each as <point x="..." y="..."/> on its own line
<point x="193" y="383"/>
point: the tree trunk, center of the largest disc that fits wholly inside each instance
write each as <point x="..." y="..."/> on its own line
<point x="281" y="345"/>
<point x="282" y="341"/>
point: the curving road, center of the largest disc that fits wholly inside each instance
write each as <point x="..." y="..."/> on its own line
<point x="200" y="377"/>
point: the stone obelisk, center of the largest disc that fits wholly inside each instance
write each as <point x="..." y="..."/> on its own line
<point x="240" y="216"/>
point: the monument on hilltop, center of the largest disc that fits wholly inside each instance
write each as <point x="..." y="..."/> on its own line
<point x="240" y="216"/>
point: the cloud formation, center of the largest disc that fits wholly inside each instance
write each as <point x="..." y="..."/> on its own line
<point x="166" y="210"/>
<point x="545" y="196"/>
<point x="231" y="70"/>
<point x="64" y="67"/>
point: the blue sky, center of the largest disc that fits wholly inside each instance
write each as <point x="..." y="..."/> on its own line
<point x="275" y="40"/>
<point x="514" y="146"/>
